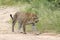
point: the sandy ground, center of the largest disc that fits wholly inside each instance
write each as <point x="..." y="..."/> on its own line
<point x="5" y="29"/>
<point x="27" y="37"/>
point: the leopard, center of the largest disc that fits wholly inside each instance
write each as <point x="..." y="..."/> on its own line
<point x="24" y="18"/>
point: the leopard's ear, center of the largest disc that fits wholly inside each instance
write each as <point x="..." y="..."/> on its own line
<point x="11" y="16"/>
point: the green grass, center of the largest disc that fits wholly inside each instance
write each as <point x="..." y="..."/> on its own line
<point x="50" y="22"/>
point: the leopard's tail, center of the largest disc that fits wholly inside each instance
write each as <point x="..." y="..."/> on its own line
<point x="11" y="16"/>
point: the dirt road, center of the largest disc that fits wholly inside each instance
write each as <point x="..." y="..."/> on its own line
<point x="5" y="29"/>
<point x="28" y="37"/>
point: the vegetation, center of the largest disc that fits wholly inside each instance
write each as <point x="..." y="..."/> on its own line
<point x="47" y="10"/>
